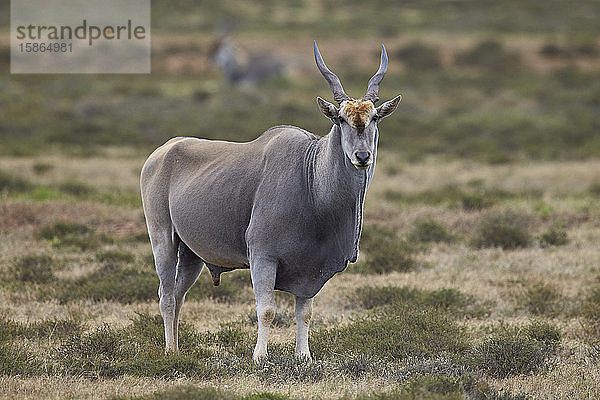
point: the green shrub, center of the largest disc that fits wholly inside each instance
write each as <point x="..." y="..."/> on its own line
<point x="515" y="351"/>
<point x="358" y="365"/>
<point x="452" y="196"/>
<point x="9" y="183"/>
<point x="478" y="201"/>
<point x="437" y="386"/>
<point x="66" y="234"/>
<point x="392" y="333"/>
<point x="419" y="56"/>
<point x="8" y="329"/>
<point x="52" y="328"/>
<point x="111" y="282"/>
<point x="192" y="392"/>
<point x="230" y="339"/>
<point x="115" y="257"/>
<point x="544" y="333"/>
<point x="285" y="368"/>
<point x="489" y="54"/>
<point x="428" y="230"/>
<point x="134" y="350"/>
<point x="446" y="299"/>
<point x="554" y="236"/>
<point x="77" y="189"/>
<point x="582" y="49"/>
<point x="507" y="230"/>
<point x="369" y="297"/>
<point x="594" y="189"/>
<point x="40" y="168"/>
<point x="542" y="299"/>
<point x="385" y="251"/>
<point x="591" y="305"/>
<point x="16" y="361"/>
<point x="552" y="50"/>
<point x="34" y="269"/>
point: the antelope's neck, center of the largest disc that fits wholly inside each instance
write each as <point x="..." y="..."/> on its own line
<point x="337" y="189"/>
<point x="334" y="183"/>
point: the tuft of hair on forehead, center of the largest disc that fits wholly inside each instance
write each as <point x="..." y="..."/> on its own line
<point x="358" y="112"/>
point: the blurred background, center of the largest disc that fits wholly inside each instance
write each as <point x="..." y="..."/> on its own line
<point x="496" y="82"/>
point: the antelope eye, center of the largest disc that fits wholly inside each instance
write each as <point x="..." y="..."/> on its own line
<point x="375" y="118"/>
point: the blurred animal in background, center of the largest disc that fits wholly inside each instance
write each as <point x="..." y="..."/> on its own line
<point x="240" y="67"/>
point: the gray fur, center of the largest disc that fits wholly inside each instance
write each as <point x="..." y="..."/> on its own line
<point x="288" y="205"/>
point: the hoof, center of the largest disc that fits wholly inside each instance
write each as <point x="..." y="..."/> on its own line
<point x="303" y="357"/>
<point x="259" y="359"/>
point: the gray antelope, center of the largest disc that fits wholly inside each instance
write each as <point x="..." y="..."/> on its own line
<point x="287" y="205"/>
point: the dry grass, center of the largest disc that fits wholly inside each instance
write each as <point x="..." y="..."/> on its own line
<point x="499" y="280"/>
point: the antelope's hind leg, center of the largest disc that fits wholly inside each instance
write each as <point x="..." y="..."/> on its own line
<point x="189" y="267"/>
<point x="165" y="259"/>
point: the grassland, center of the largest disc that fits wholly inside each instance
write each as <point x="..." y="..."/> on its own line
<point x="463" y="316"/>
<point x="479" y="271"/>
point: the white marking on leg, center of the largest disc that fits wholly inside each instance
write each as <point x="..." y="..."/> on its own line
<point x="167" y="309"/>
<point x="265" y="313"/>
<point x="263" y="273"/>
<point x="303" y="312"/>
<point x="166" y="260"/>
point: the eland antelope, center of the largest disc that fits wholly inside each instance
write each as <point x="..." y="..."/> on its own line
<point x="287" y="205"/>
<point x="258" y="67"/>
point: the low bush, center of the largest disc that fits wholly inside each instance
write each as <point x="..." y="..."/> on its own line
<point x="489" y="54"/>
<point x="507" y="230"/>
<point x="446" y="299"/>
<point x="428" y="230"/>
<point x="287" y="368"/>
<point x="542" y="299"/>
<point x="392" y="333"/>
<point x="452" y="196"/>
<point x="111" y="282"/>
<point x="115" y="257"/>
<point x="34" y="269"/>
<point x="438" y="386"/>
<point x="77" y="189"/>
<point x="587" y="49"/>
<point x="230" y="339"/>
<point x="40" y="168"/>
<point x="67" y="234"/>
<point x="14" y="360"/>
<point x="10" y="183"/>
<point x="193" y="392"/>
<point x="358" y="365"/>
<point x="419" y="56"/>
<point x="134" y="350"/>
<point x="386" y="252"/>
<point x="45" y="329"/>
<point x="512" y="351"/>
<point x="591" y="305"/>
<point x="555" y="236"/>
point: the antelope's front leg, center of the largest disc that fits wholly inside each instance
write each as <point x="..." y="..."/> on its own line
<point x="303" y="316"/>
<point x="263" y="272"/>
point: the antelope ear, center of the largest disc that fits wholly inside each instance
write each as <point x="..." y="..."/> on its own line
<point x="388" y="107"/>
<point x="328" y="109"/>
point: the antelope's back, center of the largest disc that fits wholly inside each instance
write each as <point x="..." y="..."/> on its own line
<point x="208" y="188"/>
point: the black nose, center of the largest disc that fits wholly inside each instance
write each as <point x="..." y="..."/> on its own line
<point x="362" y="157"/>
